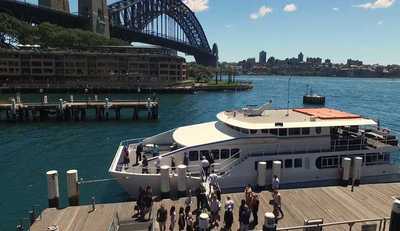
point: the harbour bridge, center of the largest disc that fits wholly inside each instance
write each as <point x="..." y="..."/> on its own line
<point x="167" y="23"/>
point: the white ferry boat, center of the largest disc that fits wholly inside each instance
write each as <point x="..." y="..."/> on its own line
<point x="304" y="147"/>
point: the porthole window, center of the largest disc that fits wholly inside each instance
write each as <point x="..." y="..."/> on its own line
<point x="318" y="130"/>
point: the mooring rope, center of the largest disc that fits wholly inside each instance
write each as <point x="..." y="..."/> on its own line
<point x="95" y="181"/>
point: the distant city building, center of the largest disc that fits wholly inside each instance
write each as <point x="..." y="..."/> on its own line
<point x="292" y="61"/>
<point x="314" y="61"/>
<point x="351" y="62"/>
<point x="300" y="57"/>
<point x="262" y="57"/>
<point x="96" y="67"/>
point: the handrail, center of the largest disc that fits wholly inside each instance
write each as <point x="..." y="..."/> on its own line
<point x="350" y="223"/>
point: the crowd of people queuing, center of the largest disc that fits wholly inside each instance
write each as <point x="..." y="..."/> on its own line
<point x="210" y="203"/>
<point x="187" y="219"/>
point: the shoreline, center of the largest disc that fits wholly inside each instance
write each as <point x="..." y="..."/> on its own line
<point x="325" y="76"/>
<point x="162" y="90"/>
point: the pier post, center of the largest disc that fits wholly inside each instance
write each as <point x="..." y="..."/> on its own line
<point x="164" y="181"/>
<point x="73" y="187"/>
<point x="13" y="109"/>
<point x="204" y="222"/>
<point x="395" y="216"/>
<point x="53" y="189"/>
<point x="83" y="114"/>
<point x="346" y="166"/>
<point x="107" y="108"/>
<point x="135" y="114"/>
<point x="261" y="174"/>
<point x="276" y="168"/>
<point x="45" y="99"/>
<point x="357" y="170"/>
<point x="182" y="181"/>
<point x="117" y="114"/>
<point x="269" y="222"/>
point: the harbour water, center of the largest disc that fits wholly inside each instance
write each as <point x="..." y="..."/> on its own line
<point x="28" y="150"/>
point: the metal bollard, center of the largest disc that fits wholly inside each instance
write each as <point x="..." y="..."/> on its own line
<point x="269" y="222"/>
<point x="395" y="216"/>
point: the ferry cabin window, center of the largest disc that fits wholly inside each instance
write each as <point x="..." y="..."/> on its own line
<point x="235" y="151"/>
<point x="298" y="163"/>
<point x="245" y="131"/>
<point x="318" y="130"/>
<point x="253" y="131"/>
<point x="224" y="153"/>
<point x="205" y="153"/>
<point x="282" y="132"/>
<point x="305" y="131"/>
<point x="294" y="131"/>
<point x="264" y="131"/>
<point x="273" y="131"/>
<point x="215" y="154"/>
<point x="327" y="162"/>
<point x="377" y="158"/>
<point x="288" y="163"/>
<point x="193" y="155"/>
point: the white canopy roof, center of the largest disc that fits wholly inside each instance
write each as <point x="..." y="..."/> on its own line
<point x="201" y="134"/>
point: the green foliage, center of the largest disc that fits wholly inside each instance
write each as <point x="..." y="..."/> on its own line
<point x="200" y="73"/>
<point x="49" y="35"/>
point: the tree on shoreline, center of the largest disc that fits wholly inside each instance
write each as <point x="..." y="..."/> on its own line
<point x="14" y="31"/>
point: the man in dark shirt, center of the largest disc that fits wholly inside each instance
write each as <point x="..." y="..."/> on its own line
<point x="145" y="165"/>
<point x="244" y="216"/>
<point x="162" y="217"/>
<point x="139" y="149"/>
<point x="255" y="202"/>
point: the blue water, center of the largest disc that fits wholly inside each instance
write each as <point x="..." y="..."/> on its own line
<point x="28" y="150"/>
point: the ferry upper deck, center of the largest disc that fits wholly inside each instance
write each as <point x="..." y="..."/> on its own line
<point x="291" y="118"/>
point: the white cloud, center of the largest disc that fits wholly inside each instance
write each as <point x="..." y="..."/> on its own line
<point x="290" y="8"/>
<point x="197" y="5"/>
<point x="377" y="4"/>
<point x="228" y="26"/>
<point x="379" y="22"/>
<point x="263" y="11"/>
<point x="335" y="9"/>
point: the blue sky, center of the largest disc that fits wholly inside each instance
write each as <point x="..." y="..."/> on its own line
<point x="337" y="29"/>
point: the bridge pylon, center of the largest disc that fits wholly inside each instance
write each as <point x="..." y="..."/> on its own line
<point x="60" y="5"/>
<point x="97" y="12"/>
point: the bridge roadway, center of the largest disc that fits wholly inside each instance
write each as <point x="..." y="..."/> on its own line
<point x="332" y="204"/>
<point x="37" y="14"/>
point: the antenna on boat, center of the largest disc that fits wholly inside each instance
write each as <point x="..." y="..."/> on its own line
<point x="288" y="96"/>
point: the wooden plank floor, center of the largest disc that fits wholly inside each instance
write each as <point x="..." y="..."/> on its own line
<point x="333" y="204"/>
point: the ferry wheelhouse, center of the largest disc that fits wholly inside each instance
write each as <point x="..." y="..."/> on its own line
<point x="305" y="147"/>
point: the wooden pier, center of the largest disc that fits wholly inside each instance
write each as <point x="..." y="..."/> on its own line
<point x="332" y="204"/>
<point x="15" y="111"/>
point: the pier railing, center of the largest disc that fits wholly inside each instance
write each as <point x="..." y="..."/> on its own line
<point x="378" y="224"/>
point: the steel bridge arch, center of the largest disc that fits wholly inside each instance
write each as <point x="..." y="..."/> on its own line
<point x="135" y="15"/>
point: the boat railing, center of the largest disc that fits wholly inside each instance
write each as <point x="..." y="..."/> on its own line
<point x="378" y="224"/>
<point x="131" y="141"/>
<point x="225" y="167"/>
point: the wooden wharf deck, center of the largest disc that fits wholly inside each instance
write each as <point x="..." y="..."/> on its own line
<point x="76" y="110"/>
<point x="332" y="204"/>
